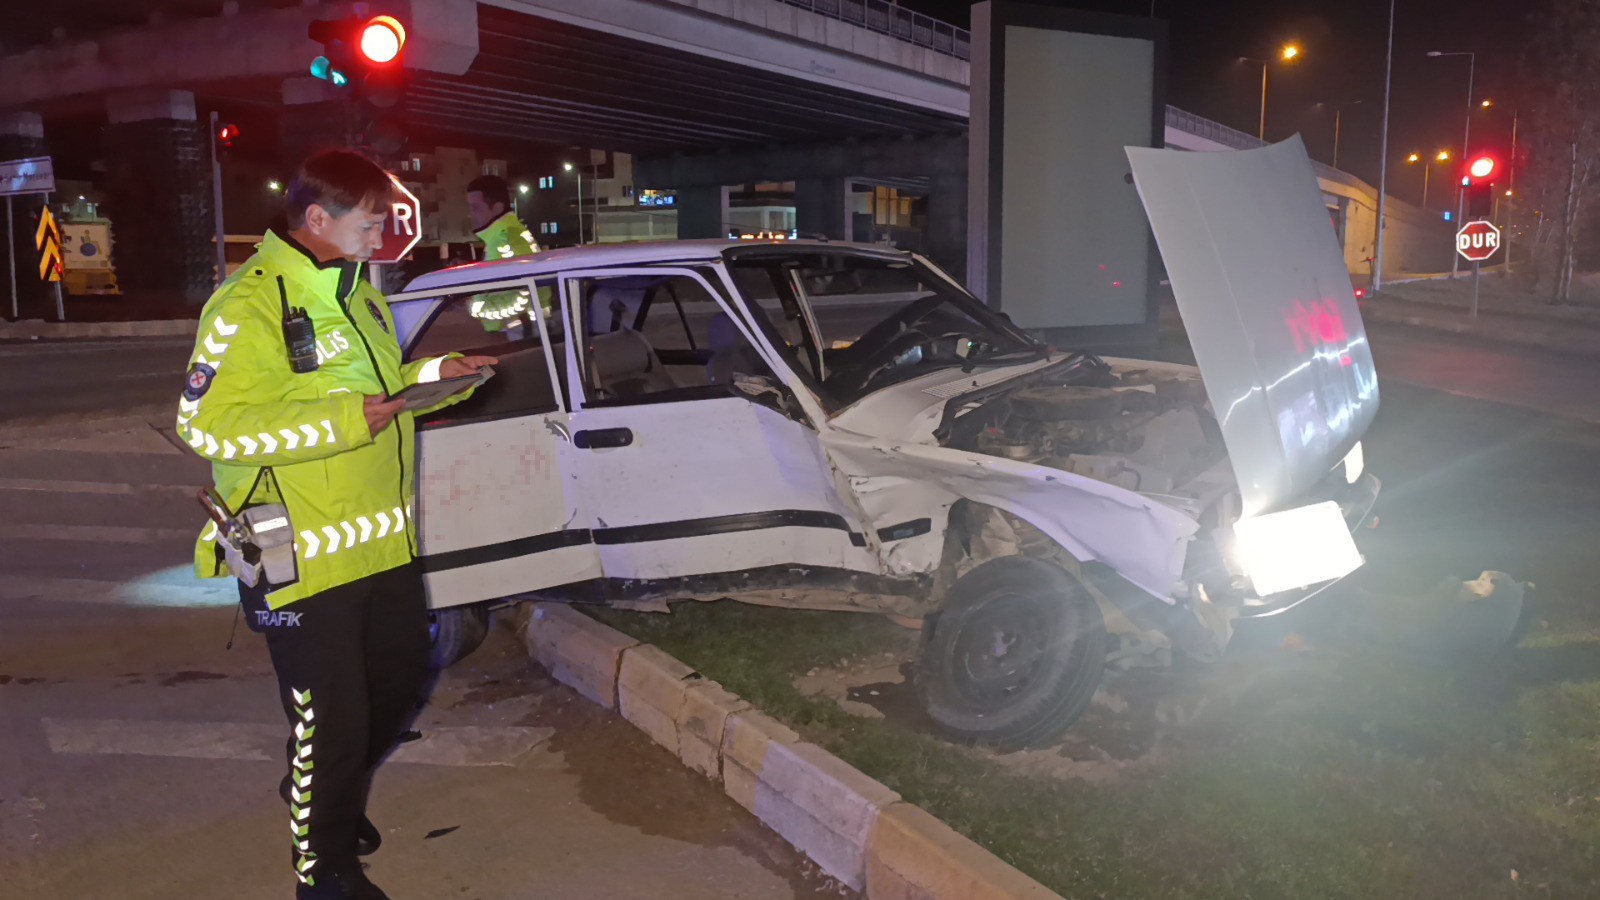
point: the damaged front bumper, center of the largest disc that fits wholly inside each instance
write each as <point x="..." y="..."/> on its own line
<point x="1355" y="502"/>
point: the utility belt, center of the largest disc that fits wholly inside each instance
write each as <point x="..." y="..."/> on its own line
<point x="255" y="543"/>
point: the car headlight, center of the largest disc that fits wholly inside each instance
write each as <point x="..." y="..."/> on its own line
<point x="1354" y="464"/>
<point x="1295" y="548"/>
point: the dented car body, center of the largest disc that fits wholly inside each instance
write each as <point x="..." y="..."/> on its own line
<point x="839" y="426"/>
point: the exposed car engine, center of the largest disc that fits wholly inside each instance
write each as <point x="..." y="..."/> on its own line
<point x="1142" y="431"/>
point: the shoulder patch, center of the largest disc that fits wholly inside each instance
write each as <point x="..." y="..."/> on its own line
<point x="377" y="315"/>
<point x="198" y="381"/>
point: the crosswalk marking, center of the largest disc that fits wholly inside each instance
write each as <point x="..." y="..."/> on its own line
<point x="440" y="745"/>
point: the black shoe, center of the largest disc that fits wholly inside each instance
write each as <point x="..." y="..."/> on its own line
<point x="368" y="838"/>
<point x="347" y="883"/>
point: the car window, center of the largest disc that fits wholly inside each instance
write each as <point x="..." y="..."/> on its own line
<point x="760" y="289"/>
<point x="659" y="338"/>
<point x="879" y="320"/>
<point x="500" y="324"/>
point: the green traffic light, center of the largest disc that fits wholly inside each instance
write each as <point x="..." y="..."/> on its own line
<point x="322" y="68"/>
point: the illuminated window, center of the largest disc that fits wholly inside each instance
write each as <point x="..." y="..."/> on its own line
<point x="657" y="198"/>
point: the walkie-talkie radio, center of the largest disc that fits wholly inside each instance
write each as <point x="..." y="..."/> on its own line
<point x="299" y="335"/>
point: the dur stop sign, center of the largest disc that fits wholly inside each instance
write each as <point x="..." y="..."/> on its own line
<point x="1477" y="241"/>
<point x="403" y="227"/>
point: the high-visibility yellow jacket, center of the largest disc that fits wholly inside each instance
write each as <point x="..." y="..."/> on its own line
<point x="277" y="436"/>
<point x="505" y="238"/>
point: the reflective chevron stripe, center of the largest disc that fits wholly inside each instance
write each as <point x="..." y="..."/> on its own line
<point x="300" y="786"/>
<point x="209" y="444"/>
<point x="330" y="539"/>
<point x="481" y="309"/>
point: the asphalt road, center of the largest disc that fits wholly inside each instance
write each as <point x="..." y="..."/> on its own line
<point x="138" y="757"/>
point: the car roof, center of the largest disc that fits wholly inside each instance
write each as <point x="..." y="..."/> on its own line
<point x="601" y="256"/>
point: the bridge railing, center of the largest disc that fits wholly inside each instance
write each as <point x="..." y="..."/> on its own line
<point x="887" y="18"/>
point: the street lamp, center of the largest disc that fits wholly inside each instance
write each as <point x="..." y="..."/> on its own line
<point x="1338" y="111"/>
<point x="1288" y="53"/>
<point x="1441" y="157"/>
<point x="568" y="167"/>
<point x="1466" y="136"/>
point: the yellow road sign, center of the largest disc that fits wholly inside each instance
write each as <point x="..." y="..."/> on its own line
<point x="48" y="241"/>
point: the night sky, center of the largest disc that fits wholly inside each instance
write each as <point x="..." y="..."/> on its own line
<point x="1343" y="49"/>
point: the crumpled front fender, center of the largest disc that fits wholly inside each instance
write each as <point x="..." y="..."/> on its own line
<point x="1143" y="540"/>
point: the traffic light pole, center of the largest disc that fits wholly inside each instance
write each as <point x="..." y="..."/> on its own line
<point x="216" y="202"/>
<point x="11" y="251"/>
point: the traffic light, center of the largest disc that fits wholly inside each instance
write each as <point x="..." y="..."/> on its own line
<point x="368" y="55"/>
<point x="1479" y="185"/>
<point x="227" y="133"/>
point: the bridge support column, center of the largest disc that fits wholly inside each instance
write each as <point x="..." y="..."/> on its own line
<point x="22" y="137"/>
<point x="944" y="233"/>
<point x="158" y="195"/>
<point x="313" y="117"/>
<point x="703" y="211"/>
<point x="822" y="207"/>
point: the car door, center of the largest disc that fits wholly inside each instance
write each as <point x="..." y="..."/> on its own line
<point x="681" y="476"/>
<point x="494" y="516"/>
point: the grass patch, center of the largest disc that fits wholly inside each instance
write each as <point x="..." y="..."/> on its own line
<point x="1325" y="774"/>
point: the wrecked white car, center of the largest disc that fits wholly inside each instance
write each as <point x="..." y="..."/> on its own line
<point x="834" y="426"/>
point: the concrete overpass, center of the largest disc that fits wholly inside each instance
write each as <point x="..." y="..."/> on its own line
<point x="704" y="93"/>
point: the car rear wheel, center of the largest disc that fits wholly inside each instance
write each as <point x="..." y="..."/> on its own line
<point x="1015" y="655"/>
<point x="456" y="631"/>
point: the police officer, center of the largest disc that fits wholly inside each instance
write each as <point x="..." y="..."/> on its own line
<point x="288" y="396"/>
<point x="504" y="237"/>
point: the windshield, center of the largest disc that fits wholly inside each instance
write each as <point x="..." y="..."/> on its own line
<point x="878" y="320"/>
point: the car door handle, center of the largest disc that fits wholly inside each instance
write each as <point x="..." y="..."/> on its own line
<point x="602" y="438"/>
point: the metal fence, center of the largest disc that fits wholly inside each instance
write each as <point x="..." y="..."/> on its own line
<point x="887" y="18"/>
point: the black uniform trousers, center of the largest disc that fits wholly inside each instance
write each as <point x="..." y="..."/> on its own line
<point x="352" y="664"/>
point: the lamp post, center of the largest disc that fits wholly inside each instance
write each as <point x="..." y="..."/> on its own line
<point x="1289" y="53"/>
<point x="578" y="175"/>
<point x="516" y="201"/>
<point x="1338" y="113"/>
<point x="1466" y="136"/>
<point x="1383" y="157"/>
<point x="1442" y="156"/>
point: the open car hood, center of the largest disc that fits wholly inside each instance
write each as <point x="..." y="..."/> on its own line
<point x="1262" y="287"/>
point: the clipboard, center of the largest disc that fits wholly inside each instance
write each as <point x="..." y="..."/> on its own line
<point x="426" y="394"/>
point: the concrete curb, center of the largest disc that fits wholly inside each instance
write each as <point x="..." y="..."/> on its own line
<point x="29" y="329"/>
<point x="857" y="830"/>
<point x="1575" y="341"/>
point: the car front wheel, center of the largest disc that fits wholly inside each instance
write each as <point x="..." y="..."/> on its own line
<point x="1014" y="656"/>
<point x="456" y="631"/>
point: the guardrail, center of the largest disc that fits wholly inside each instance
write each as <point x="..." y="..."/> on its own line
<point x="896" y="21"/>
<point x="1212" y="131"/>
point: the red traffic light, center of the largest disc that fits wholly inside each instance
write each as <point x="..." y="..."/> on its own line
<point x="382" y="39"/>
<point x="227" y="134"/>
<point x="1482" y="167"/>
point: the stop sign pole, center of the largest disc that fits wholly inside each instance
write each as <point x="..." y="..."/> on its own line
<point x="1476" y="242"/>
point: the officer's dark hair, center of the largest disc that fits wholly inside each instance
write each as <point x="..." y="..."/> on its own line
<point x="338" y="181"/>
<point x="493" y="188"/>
